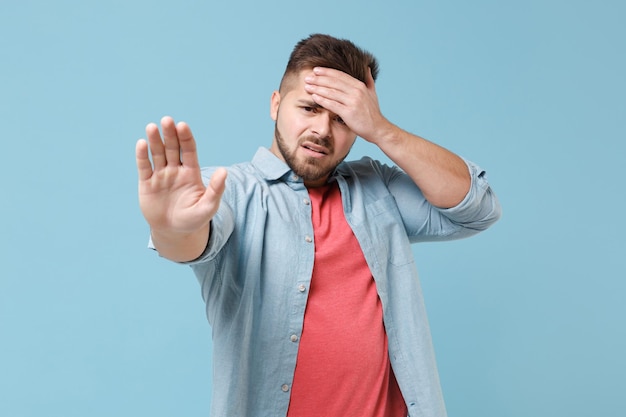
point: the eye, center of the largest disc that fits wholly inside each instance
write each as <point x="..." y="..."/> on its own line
<point x="339" y="120"/>
<point x="309" y="109"/>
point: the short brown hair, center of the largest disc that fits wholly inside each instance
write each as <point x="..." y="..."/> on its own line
<point x="326" y="51"/>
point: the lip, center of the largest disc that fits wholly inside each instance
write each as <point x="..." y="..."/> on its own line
<point x="314" y="150"/>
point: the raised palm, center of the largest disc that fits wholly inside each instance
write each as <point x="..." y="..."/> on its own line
<point x="172" y="196"/>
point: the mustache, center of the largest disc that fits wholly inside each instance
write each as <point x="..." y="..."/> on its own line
<point x="325" y="141"/>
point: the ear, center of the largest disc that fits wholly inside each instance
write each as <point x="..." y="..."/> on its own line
<point x="274" y="105"/>
<point x="369" y="79"/>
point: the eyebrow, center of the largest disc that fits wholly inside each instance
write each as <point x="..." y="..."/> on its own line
<point x="309" y="103"/>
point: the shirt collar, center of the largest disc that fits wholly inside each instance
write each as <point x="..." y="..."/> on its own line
<point x="269" y="165"/>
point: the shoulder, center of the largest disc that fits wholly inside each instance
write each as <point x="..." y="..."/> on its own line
<point x="239" y="173"/>
<point x="368" y="168"/>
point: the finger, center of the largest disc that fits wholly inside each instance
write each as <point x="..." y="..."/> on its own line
<point x="317" y="85"/>
<point x="334" y="85"/>
<point x="330" y="104"/>
<point x="144" y="167"/>
<point x="215" y="189"/>
<point x="328" y="94"/>
<point x="156" y="146"/>
<point x="170" y="139"/>
<point x="218" y="181"/>
<point x="188" y="152"/>
<point x="332" y="78"/>
<point x="325" y="96"/>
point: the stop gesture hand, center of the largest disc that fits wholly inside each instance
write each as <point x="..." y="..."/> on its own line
<point x="172" y="197"/>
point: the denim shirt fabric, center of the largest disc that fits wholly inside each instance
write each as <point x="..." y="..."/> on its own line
<point x="256" y="271"/>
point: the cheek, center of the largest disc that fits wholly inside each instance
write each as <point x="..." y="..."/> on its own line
<point x="287" y="120"/>
<point x="343" y="143"/>
<point x="292" y="127"/>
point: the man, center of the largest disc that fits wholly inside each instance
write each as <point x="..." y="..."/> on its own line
<point x="304" y="260"/>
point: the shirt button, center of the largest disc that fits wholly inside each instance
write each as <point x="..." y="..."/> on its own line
<point x="308" y="239"/>
<point x="306" y="201"/>
<point x="301" y="288"/>
<point x="285" y="387"/>
<point x="294" y="338"/>
<point x="295" y="177"/>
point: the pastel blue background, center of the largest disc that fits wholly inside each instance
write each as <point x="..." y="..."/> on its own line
<point x="527" y="318"/>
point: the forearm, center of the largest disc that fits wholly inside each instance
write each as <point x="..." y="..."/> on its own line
<point x="442" y="176"/>
<point x="180" y="247"/>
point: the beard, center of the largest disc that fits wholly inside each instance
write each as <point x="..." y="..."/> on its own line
<point x="308" y="168"/>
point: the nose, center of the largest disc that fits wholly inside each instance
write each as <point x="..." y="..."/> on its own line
<point x="321" y="124"/>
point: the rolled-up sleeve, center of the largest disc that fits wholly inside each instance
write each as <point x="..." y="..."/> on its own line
<point x="480" y="208"/>
<point x="423" y="221"/>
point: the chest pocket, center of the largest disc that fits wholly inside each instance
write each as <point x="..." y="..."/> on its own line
<point x="387" y="232"/>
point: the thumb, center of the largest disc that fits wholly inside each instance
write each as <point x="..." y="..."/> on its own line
<point x="217" y="184"/>
<point x="214" y="190"/>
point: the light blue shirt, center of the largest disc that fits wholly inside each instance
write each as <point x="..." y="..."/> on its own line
<point x="256" y="271"/>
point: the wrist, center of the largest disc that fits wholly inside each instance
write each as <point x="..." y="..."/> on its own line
<point x="387" y="134"/>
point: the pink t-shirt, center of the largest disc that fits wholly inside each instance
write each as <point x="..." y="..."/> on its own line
<point x="343" y="366"/>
